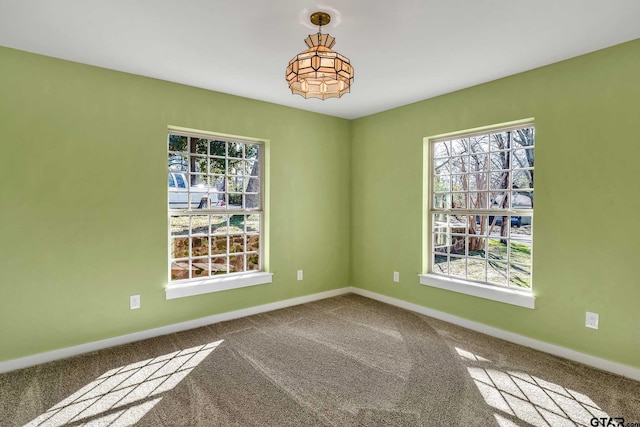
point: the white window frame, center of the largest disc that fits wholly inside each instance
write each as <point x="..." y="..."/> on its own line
<point x="522" y="297"/>
<point x="221" y="282"/>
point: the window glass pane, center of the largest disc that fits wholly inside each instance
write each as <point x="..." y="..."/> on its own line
<point x="522" y="137"/>
<point x="217" y="166"/>
<point x="439" y="219"/>
<point x="236" y="224"/>
<point x="219" y="224"/>
<point x="522" y="179"/>
<point x="477" y="246"/>
<point x="441" y="201"/>
<point x="478" y="181"/>
<point x="199" y="268"/>
<point x="235" y="184"/>
<point x="178" y="162"/>
<point x="216" y="184"/>
<point x="497" y="200"/>
<point x="458" y="224"/>
<point x="180" y="225"/>
<point x="252" y="168"/>
<point x="479" y="144"/>
<point x="498" y="180"/>
<point x="440" y="264"/>
<point x="523" y="158"/>
<point x="234" y="201"/>
<point x="252" y="185"/>
<point x="236" y="244"/>
<point x="458" y="245"/>
<point x="441" y="166"/>
<point x="521" y="226"/>
<point x="218" y="148"/>
<point x="520" y="252"/>
<point x="218" y="265"/>
<point x="476" y="269"/>
<point x="253" y="223"/>
<point x="497" y="249"/>
<point x="442" y="183"/>
<point x="459" y="182"/>
<point x="482" y="225"/>
<point x="198" y="164"/>
<point x="236" y="149"/>
<point x="199" y="246"/>
<point x="498" y="141"/>
<point x="497" y="272"/>
<point x="519" y="276"/>
<point x="459" y="165"/>
<point x="478" y="163"/>
<point x="459" y="200"/>
<point x="179" y="270"/>
<point x="252" y="151"/>
<point x="521" y="199"/>
<point x="479" y="200"/>
<point x="177" y="143"/>
<point x="442" y="149"/>
<point x="180" y="247"/>
<point x="460" y="146"/>
<point x="252" y="201"/>
<point x="178" y="200"/>
<point x="457" y="267"/>
<point x="253" y="262"/>
<point x="181" y="180"/>
<point x="236" y="263"/>
<point x="441" y="242"/>
<point x="199" y="224"/>
<point x="199" y="146"/>
<point x="235" y="167"/>
<point x="218" y="245"/>
<point x="253" y="243"/>
<point x="499" y="161"/>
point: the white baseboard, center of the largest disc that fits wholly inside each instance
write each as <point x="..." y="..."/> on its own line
<point x="63" y="353"/>
<point x="603" y="364"/>
<point x="596" y="362"/>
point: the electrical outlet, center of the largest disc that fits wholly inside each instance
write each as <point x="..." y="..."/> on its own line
<point x="300" y="275"/>
<point x="591" y="320"/>
<point x="396" y="276"/>
<point x="134" y="302"/>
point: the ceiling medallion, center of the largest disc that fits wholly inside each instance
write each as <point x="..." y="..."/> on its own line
<point x="319" y="72"/>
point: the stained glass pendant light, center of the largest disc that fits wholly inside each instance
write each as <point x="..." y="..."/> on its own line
<point x="319" y="72"/>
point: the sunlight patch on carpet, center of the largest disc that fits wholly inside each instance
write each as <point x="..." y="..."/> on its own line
<point x="122" y="396"/>
<point x="520" y="396"/>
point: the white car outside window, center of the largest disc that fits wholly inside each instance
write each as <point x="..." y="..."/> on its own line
<point x="179" y="193"/>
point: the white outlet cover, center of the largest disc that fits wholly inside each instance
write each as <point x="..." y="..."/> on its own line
<point x="134" y="302"/>
<point x="591" y="320"/>
<point x="300" y="275"/>
<point x="396" y="276"/>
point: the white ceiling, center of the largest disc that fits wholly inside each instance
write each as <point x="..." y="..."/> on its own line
<point x="402" y="51"/>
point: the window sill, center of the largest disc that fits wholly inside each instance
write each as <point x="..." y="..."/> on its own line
<point x="507" y="296"/>
<point x="216" y="284"/>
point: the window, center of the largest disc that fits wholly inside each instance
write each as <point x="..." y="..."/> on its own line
<point x="216" y="217"/>
<point x="481" y="210"/>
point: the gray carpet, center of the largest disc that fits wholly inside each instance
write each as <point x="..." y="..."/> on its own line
<point x="344" y="361"/>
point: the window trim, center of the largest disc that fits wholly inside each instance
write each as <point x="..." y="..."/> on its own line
<point x="202" y="285"/>
<point x="495" y="292"/>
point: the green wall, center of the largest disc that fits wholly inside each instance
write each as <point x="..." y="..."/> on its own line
<point x="586" y="238"/>
<point x="83" y="217"/>
<point x="83" y="190"/>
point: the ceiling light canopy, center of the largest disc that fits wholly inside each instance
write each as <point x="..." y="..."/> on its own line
<point x="319" y="72"/>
